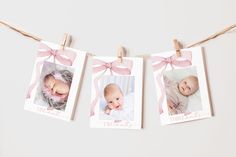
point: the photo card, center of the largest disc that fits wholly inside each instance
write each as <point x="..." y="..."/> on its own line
<point x="116" y="100"/>
<point x="55" y="81"/>
<point x="181" y="86"/>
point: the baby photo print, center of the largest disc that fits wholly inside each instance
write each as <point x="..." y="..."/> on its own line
<point x="117" y="98"/>
<point x="54" y="86"/>
<point x="182" y="91"/>
<point x="116" y="93"/>
<point x="55" y="81"/>
<point x="181" y="86"/>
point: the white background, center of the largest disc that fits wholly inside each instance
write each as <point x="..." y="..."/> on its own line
<point x="144" y="27"/>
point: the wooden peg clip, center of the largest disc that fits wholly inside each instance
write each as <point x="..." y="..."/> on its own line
<point x="177" y="47"/>
<point x="121" y="53"/>
<point x="66" y="41"/>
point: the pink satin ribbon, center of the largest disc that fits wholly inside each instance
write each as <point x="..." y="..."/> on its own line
<point x="160" y="64"/>
<point x="63" y="57"/>
<point x="116" y="66"/>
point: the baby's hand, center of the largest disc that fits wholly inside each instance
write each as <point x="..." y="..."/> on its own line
<point x="107" y="110"/>
<point x="172" y="110"/>
<point x="171" y="107"/>
<point x="170" y="104"/>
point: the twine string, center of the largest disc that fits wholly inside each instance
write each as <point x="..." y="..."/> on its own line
<point x="215" y="35"/>
<point x="21" y="31"/>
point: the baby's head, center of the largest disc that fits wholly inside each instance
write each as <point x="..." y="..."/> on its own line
<point x="188" y="85"/>
<point x="113" y="96"/>
<point x="49" y="81"/>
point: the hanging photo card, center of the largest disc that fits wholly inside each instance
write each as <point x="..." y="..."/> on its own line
<point x="55" y="81"/>
<point x="181" y="86"/>
<point x="117" y="87"/>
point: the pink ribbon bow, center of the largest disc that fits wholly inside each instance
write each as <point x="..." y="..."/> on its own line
<point x="116" y="66"/>
<point x="63" y="57"/>
<point x="160" y="64"/>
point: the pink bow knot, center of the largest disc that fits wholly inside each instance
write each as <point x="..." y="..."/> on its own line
<point x="168" y="60"/>
<point x="63" y="57"/>
<point x="108" y="65"/>
<point x="54" y="53"/>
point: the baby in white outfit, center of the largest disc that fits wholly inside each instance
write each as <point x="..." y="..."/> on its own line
<point x="177" y="93"/>
<point x="118" y="106"/>
<point x="114" y="98"/>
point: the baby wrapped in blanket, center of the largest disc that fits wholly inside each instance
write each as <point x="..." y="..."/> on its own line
<point x="55" y="88"/>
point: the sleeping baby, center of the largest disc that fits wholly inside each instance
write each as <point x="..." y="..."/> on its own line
<point x="56" y="87"/>
<point x="114" y="98"/>
<point x="177" y="93"/>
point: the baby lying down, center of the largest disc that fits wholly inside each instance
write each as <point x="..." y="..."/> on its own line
<point x="56" y="87"/>
<point x="177" y="93"/>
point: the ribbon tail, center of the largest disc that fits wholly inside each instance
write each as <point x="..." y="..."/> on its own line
<point x="35" y="81"/>
<point x="160" y="100"/>
<point x="111" y="72"/>
<point x="94" y="102"/>
<point x="31" y="87"/>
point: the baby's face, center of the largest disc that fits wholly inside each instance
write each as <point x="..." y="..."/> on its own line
<point x="50" y="82"/>
<point x="188" y="85"/>
<point x="115" y="99"/>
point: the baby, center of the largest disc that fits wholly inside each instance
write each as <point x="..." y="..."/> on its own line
<point x="177" y="93"/>
<point x="114" y="98"/>
<point x="56" y="87"/>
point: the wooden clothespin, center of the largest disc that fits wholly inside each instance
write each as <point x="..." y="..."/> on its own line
<point x="121" y="53"/>
<point x="177" y="47"/>
<point x="66" y="41"/>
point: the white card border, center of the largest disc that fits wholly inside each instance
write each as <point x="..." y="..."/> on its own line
<point x="198" y="62"/>
<point x="137" y="72"/>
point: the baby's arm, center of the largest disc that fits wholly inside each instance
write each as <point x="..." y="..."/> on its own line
<point x="181" y="108"/>
<point x="61" y="89"/>
<point x="171" y="107"/>
<point x="107" y="110"/>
